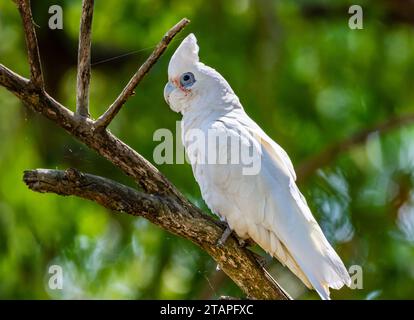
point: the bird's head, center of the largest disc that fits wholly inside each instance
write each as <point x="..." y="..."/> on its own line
<point x="192" y="84"/>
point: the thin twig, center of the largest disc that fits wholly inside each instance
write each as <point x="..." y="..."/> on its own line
<point x="113" y="110"/>
<point x="330" y="153"/>
<point x="84" y="59"/>
<point x="36" y="76"/>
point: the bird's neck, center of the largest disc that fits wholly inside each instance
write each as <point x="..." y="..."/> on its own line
<point x="210" y="108"/>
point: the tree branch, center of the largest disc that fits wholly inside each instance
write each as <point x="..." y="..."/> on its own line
<point x="104" y="120"/>
<point x="108" y="193"/>
<point x="164" y="211"/>
<point x="183" y="218"/>
<point x="36" y="76"/>
<point x="84" y="59"/>
<point x="330" y="153"/>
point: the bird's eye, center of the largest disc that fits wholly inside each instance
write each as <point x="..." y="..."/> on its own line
<point x="187" y="79"/>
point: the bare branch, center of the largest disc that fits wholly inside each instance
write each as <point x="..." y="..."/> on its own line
<point x="166" y="212"/>
<point x="108" y="193"/>
<point x="84" y="59"/>
<point x="183" y="218"/>
<point x="36" y="76"/>
<point x="113" y="110"/>
<point x="330" y="153"/>
<point x="164" y="205"/>
<point x="12" y="81"/>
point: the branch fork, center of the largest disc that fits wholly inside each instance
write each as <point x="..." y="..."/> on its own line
<point x="104" y="120"/>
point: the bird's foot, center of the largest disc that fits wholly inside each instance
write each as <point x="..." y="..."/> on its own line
<point x="243" y="243"/>
<point x="224" y="236"/>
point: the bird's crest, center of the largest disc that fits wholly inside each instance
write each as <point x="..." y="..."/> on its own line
<point x="184" y="57"/>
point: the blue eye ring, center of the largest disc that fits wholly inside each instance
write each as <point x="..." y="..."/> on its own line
<point x="187" y="79"/>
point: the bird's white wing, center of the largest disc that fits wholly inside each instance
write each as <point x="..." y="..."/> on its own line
<point x="279" y="155"/>
<point x="270" y="209"/>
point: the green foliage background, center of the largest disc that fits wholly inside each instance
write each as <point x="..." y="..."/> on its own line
<point x="308" y="81"/>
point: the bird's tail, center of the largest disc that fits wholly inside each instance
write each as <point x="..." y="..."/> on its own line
<point x="330" y="273"/>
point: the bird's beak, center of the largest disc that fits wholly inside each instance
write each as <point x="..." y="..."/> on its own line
<point x="169" y="87"/>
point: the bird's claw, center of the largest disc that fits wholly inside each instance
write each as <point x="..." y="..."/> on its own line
<point x="243" y="243"/>
<point x="224" y="236"/>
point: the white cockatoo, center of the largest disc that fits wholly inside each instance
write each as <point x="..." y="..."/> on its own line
<point x="264" y="204"/>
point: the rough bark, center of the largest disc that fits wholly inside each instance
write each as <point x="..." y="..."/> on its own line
<point x="84" y="59"/>
<point x="36" y="77"/>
